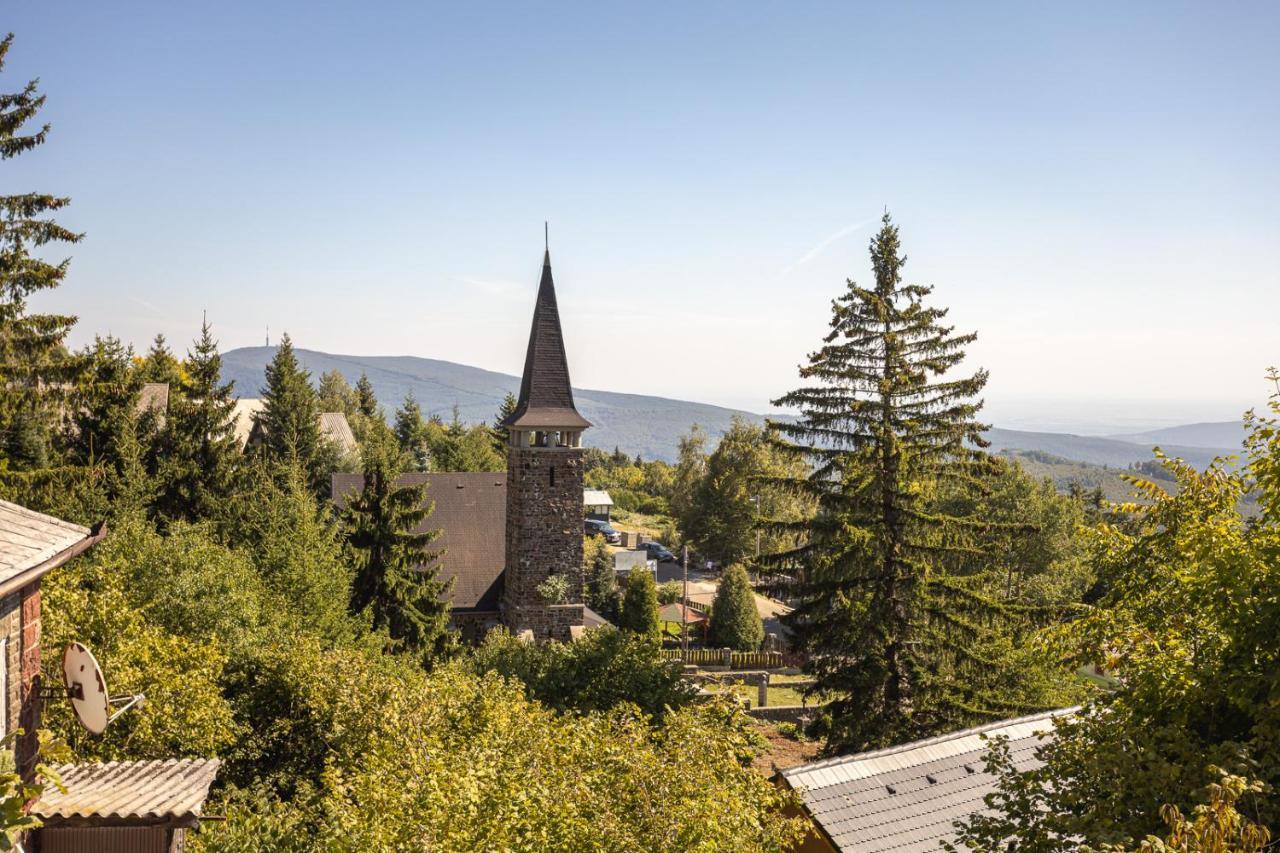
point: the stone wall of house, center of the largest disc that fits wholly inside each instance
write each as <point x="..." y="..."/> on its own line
<point x="11" y="631"/>
<point x="799" y="714"/>
<point x="29" y="715"/>
<point x="472" y="625"/>
<point x="544" y="538"/>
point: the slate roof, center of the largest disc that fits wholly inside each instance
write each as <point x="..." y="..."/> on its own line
<point x="31" y="541"/>
<point x="334" y="427"/>
<point x="471" y="513"/>
<point x="143" y="792"/>
<point x="906" y="798"/>
<point x="546" y="397"/>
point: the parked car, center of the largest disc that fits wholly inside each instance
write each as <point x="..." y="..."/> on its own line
<point x="658" y="551"/>
<point x="596" y="527"/>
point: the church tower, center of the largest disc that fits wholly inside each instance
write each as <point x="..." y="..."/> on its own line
<point x="544" y="484"/>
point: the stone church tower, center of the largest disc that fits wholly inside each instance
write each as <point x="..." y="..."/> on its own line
<point x="544" y="483"/>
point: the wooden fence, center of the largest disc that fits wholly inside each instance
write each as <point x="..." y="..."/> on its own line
<point x="737" y="660"/>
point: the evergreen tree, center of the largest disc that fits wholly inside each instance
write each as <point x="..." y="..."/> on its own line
<point x="640" y="604"/>
<point x="200" y="454"/>
<point x="890" y="634"/>
<point x="288" y="421"/>
<point x="106" y="396"/>
<point x="601" y="593"/>
<point x="395" y="579"/>
<point x="366" y="402"/>
<point x="411" y="432"/>
<point x="502" y="435"/>
<point x="34" y="364"/>
<point x="735" y="622"/>
<point x="159" y="365"/>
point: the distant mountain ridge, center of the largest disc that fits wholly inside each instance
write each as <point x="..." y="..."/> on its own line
<point x="649" y="426"/>
<point x="652" y="426"/>
<point x="1215" y="434"/>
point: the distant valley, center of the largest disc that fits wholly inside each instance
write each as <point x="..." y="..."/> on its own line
<point x="652" y="426"/>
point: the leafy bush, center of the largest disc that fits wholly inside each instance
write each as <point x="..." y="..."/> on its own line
<point x="670" y="592"/>
<point x="735" y="622"/>
<point x="640" y="604"/>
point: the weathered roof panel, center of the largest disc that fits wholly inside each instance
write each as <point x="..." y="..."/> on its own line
<point x="145" y="791"/>
<point x="907" y="798"/>
<point x="335" y="427"/>
<point x="29" y="538"/>
<point x="596" y="497"/>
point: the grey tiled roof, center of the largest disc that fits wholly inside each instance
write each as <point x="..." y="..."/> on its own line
<point x="135" y="791"/>
<point x="29" y="538"/>
<point x="471" y="515"/>
<point x="907" y="798"/>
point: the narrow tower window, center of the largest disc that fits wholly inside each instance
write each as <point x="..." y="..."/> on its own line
<point x="553" y="475"/>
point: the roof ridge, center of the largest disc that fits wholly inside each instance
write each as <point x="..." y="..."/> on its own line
<point x="932" y="741"/>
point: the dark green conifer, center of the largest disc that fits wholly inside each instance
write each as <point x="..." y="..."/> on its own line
<point x="735" y="621"/>
<point x="366" y="402"/>
<point x="106" y="396"/>
<point x="159" y="365"/>
<point x="35" y="368"/>
<point x="288" y="423"/>
<point x="891" y="635"/>
<point x="640" y="604"/>
<point x="200" y="452"/>
<point x="395" y="576"/>
<point x="502" y="435"/>
<point x="411" y="433"/>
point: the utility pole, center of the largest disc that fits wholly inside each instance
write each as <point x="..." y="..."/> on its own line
<point x="684" y="607"/>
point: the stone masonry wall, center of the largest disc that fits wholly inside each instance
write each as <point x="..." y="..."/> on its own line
<point x="29" y="716"/>
<point x="11" y="631"/>
<point x="544" y="537"/>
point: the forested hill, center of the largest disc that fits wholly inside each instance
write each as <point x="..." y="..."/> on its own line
<point x="650" y="426"/>
<point x="637" y="423"/>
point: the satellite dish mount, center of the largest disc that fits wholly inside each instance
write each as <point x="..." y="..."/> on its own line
<point x="87" y="690"/>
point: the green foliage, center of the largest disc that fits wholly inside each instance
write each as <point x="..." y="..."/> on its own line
<point x="640" y="604"/>
<point x="150" y="640"/>
<point x="670" y="592"/>
<point x="904" y="646"/>
<point x="502" y="435"/>
<point x="1189" y="624"/>
<point x="34" y="365"/>
<point x="411" y="432"/>
<point x="335" y="394"/>
<point x="735" y="622"/>
<point x="602" y="670"/>
<point x="737" y="490"/>
<point x="601" y="593"/>
<point x="288" y="420"/>
<point x="106" y="394"/>
<point x="395" y="573"/>
<point x="198" y="452"/>
<point x="690" y="469"/>
<point x="459" y="762"/>
<point x="16" y="794"/>
<point x="159" y="365"/>
<point x="554" y="590"/>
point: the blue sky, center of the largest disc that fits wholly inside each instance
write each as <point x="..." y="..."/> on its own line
<point x="1093" y="187"/>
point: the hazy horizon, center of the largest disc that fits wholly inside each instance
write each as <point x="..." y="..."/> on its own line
<point x="1095" y="199"/>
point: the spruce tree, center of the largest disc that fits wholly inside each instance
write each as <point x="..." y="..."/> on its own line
<point x="395" y="576"/>
<point x="288" y="420"/>
<point x="735" y="621"/>
<point x="640" y="604"/>
<point x="502" y="435"/>
<point x="366" y="401"/>
<point x="34" y="364"/>
<point x="106" y="395"/>
<point x="336" y="394"/>
<point x="891" y="635"/>
<point x="159" y="365"/>
<point x="200" y="454"/>
<point x="411" y="432"/>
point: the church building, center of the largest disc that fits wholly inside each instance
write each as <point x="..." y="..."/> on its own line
<point x="504" y="536"/>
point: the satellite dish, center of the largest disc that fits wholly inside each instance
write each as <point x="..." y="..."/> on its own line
<point x="87" y="690"/>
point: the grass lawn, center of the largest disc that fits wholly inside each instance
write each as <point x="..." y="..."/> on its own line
<point x="777" y="695"/>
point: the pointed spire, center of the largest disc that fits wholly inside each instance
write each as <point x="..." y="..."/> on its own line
<point x="546" y="396"/>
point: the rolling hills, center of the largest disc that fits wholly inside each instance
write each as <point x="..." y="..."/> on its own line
<point x="651" y="426"/>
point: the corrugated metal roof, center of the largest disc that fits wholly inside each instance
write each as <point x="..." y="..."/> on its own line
<point x="29" y="538"/>
<point x="471" y="515"/>
<point x="908" y="797"/>
<point x="596" y="497"/>
<point x="334" y="427"/>
<point x="145" y="791"/>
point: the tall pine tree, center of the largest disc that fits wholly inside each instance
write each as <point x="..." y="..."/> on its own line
<point x="891" y="635"/>
<point x="395" y="575"/>
<point x="366" y="402"/>
<point x="34" y="365"/>
<point x="502" y="435"/>
<point x="411" y="432"/>
<point x="200" y="454"/>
